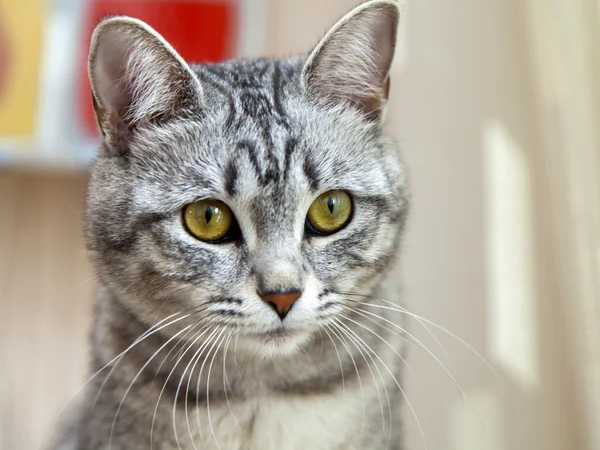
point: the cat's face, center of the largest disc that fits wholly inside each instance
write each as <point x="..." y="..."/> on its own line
<point x="253" y="195"/>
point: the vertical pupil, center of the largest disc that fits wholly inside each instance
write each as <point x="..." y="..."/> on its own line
<point x="330" y="204"/>
<point x="208" y="214"/>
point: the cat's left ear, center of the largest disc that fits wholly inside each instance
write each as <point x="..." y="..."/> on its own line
<point x="351" y="64"/>
<point x="137" y="78"/>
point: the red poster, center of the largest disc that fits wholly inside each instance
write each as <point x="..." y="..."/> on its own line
<point x="201" y="31"/>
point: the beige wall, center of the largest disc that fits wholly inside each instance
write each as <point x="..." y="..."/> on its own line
<point x="477" y="257"/>
<point x="474" y="259"/>
<point x="45" y="290"/>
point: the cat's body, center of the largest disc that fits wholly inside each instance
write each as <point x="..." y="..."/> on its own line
<point x="192" y="357"/>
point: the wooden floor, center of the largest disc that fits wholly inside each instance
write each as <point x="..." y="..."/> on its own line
<point x="46" y="287"/>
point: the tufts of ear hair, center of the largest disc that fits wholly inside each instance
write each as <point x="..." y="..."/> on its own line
<point x="351" y="64"/>
<point x="137" y="78"/>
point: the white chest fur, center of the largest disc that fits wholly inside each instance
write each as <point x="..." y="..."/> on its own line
<point x="327" y="421"/>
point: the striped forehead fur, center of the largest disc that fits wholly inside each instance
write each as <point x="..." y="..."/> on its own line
<point x="257" y="136"/>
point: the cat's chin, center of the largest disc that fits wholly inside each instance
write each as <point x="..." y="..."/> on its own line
<point x="276" y="343"/>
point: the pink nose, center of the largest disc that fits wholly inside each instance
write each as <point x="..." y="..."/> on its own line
<point x="281" y="302"/>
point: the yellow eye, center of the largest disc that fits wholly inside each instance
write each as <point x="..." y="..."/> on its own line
<point x="330" y="212"/>
<point x="208" y="220"/>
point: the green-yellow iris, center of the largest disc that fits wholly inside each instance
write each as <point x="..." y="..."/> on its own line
<point x="208" y="220"/>
<point x="330" y="212"/>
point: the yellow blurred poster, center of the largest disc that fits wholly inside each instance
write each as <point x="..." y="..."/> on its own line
<point x="20" y="51"/>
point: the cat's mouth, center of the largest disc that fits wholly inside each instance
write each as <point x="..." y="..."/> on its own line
<point x="278" y="341"/>
<point x="274" y="336"/>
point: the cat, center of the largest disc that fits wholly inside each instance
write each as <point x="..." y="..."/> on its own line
<point x="244" y="218"/>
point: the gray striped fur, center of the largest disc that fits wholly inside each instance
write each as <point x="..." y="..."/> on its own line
<point x="266" y="137"/>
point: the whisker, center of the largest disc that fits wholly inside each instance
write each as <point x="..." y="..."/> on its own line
<point x="402" y="310"/>
<point x="95" y="277"/>
<point x="204" y="309"/>
<point x="247" y="360"/>
<point x="191" y="345"/>
<point x="177" y="344"/>
<point x="195" y="358"/>
<point x="117" y="359"/>
<point x="162" y="305"/>
<point x="237" y="366"/>
<point x="423" y="324"/>
<point x="322" y="346"/>
<point x="192" y="359"/>
<point x="226" y="380"/>
<point x="333" y="328"/>
<point x="340" y="361"/>
<point x="122" y="355"/>
<point x="112" y="428"/>
<point x="164" y="386"/>
<point x="182" y="339"/>
<point x="307" y="356"/>
<point x="361" y="313"/>
<point x="424" y="347"/>
<point x="359" y="344"/>
<point x="200" y="378"/>
<point x="395" y="380"/>
<point x="143" y="336"/>
<point x="208" y="391"/>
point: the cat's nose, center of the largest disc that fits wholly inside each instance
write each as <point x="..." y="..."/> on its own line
<point x="281" y="302"/>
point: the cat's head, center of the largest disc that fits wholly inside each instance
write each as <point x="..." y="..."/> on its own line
<point x="253" y="195"/>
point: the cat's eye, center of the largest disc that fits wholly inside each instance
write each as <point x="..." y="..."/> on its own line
<point x="208" y="220"/>
<point x="329" y="213"/>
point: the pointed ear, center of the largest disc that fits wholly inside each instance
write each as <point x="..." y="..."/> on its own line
<point x="351" y="64"/>
<point x="137" y="78"/>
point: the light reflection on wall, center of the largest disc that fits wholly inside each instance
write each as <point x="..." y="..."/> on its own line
<point x="511" y="321"/>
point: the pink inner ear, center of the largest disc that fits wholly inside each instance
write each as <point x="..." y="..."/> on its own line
<point x="352" y="64"/>
<point x="110" y="76"/>
<point x="137" y="77"/>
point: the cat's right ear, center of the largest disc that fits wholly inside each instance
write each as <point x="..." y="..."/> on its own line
<point x="352" y="62"/>
<point x="137" y="78"/>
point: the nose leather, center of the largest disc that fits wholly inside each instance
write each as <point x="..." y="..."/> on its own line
<point x="281" y="302"/>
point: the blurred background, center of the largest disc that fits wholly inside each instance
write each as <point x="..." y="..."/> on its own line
<point x="496" y="107"/>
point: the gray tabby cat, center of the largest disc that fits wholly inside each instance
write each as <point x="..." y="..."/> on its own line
<point x="242" y="218"/>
